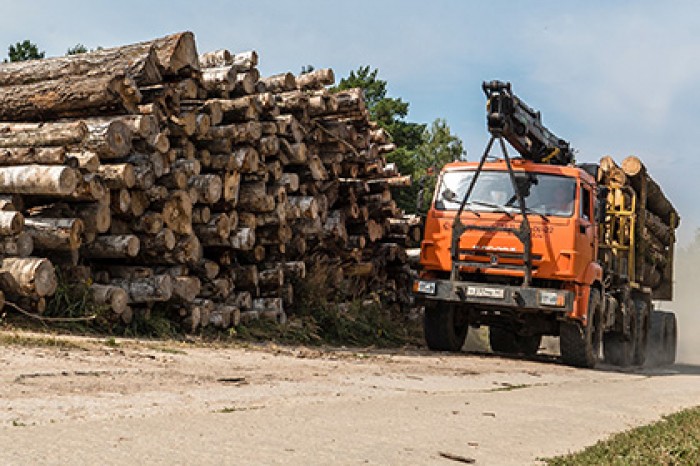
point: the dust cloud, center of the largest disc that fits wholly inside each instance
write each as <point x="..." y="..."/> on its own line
<point x="686" y="302"/>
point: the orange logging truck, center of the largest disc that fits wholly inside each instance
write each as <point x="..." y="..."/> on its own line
<point x="537" y="245"/>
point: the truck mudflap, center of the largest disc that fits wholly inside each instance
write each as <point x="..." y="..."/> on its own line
<point x="495" y="295"/>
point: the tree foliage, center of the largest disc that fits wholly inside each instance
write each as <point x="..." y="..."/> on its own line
<point x="419" y="147"/>
<point x="25" y="50"/>
<point x="76" y="49"/>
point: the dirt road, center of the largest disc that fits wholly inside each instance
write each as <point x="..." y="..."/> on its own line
<point x="169" y="403"/>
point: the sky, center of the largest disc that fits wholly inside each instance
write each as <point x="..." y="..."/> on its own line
<point x="613" y="78"/>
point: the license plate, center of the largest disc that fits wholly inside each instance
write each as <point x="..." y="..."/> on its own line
<point x="486" y="292"/>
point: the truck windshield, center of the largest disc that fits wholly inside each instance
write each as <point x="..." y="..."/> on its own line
<point x="543" y="194"/>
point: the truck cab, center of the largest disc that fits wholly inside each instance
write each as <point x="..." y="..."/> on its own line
<point x="488" y="287"/>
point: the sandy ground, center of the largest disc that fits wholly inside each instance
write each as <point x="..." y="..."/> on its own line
<point x="173" y="403"/>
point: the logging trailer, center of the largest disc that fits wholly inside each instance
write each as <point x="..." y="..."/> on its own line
<point x="538" y="245"/>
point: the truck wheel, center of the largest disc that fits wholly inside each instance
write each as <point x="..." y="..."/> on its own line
<point x="619" y="349"/>
<point x="656" y="344"/>
<point x="580" y="346"/>
<point x="506" y="341"/>
<point x="670" y="338"/>
<point x="444" y="327"/>
<point x="643" y="325"/>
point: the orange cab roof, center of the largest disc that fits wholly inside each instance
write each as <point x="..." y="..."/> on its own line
<point x="522" y="165"/>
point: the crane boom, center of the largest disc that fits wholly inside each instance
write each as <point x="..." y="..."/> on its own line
<point x="511" y="118"/>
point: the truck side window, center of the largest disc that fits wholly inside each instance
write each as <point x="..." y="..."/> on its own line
<point x="586" y="203"/>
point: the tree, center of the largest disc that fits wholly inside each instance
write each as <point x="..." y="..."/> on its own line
<point x="76" y="49"/>
<point x="307" y="69"/>
<point x="23" y="51"/>
<point x="418" y="147"/>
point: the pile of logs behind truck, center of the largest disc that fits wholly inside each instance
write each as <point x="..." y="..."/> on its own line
<point x="538" y="245"/>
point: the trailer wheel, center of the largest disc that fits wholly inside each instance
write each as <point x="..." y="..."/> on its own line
<point x="444" y="327"/>
<point x="670" y="338"/>
<point x="580" y="346"/>
<point x="506" y="341"/>
<point x="619" y="349"/>
<point x="656" y="345"/>
<point x="642" y="307"/>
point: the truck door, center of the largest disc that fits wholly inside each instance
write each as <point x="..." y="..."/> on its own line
<point x="585" y="228"/>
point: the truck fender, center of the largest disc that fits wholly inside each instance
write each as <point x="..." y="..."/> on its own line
<point x="593" y="273"/>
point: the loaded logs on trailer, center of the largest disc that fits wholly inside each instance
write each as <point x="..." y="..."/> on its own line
<point x="633" y="191"/>
<point x="191" y="183"/>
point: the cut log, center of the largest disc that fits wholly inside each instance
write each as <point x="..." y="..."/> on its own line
<point x="146" y="290"/>
<point x="209" y="187"/>
<point x="315" y="79"/>
<point x="139" y="63"/>
<point x="186" y="289"/>
<point x="117" y="175"/>
<point x="112" y="247"/>
<point x="21" y="245"/>
<point x="216" y="58"/>
<point x="656" y="201"/>
<point x="69" y="97"/>
<point x="38" y="179"/>
<point x="114" y="297"/>
<point x="59" y="234"/>
<point x="11" y="223"/>
<point x="29" y="276"/>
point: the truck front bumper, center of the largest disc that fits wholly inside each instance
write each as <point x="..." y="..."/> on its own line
<point x="489" y="295"/>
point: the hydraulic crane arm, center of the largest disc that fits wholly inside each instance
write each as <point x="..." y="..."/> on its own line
<point x="511" y="118"/>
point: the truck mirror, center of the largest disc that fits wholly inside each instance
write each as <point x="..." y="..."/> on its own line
<point x="448" y="195"/>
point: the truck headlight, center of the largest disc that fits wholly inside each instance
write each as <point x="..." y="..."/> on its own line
<point x="552" y="298"/>
<point x="424" y="287"/>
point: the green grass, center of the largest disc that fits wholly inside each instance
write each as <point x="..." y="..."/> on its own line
<point x="16" y="339"/>
<point x="675" y="440"/>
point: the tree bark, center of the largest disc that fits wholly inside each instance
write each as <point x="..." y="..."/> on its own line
<point x="29" y="276"/>
<point x="69" y="97"/>
<point x="38" y="179"/>
<point x="59" y="234"/>
<point x="114" y="297"/>
<point x="112" y="247"/>
<point x="146" y="290"/>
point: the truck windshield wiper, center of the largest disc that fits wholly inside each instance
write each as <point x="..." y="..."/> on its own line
<point x="528" y="210"/>
<point x="495" y="207"/>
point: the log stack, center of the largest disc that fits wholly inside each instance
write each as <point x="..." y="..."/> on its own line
<point x="189" y="183"/>
<point x="655" y="221"/>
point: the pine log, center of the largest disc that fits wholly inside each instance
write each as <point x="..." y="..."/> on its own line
<point x="245" y="61"/>
<point x="114" y="297"/>
<point x="112" y="247"/>
<point x="139" y="63"/>
<point x="206" y="268"/>
<point x="146" y="290"/>
<point x="20" y="245"/>
<point x="201" y="214"/>
<point x="216" y="58"/>
<point x="186" y="288"/>
<point x="69" y="97"/>
<point x="280" y="82"/>
<point x="38" y="179"/>
<point x="153" y="245"/>
<point x="656" y="201"/>
<point x="117" y="175"/>
<point x="27" y="276"/>
<point x="209" y="187"/>
<point x="242" y="239"/>
<point x="315" y="79"/>
<point x="177" y="212"/>
<point x="217" y="229"/>
<point x="36" y="155"/>
<point x="11" y="223"/>
<point x="177" y="53"/>
<point x="60" y="234"/>
<point x="253" y="197"/>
